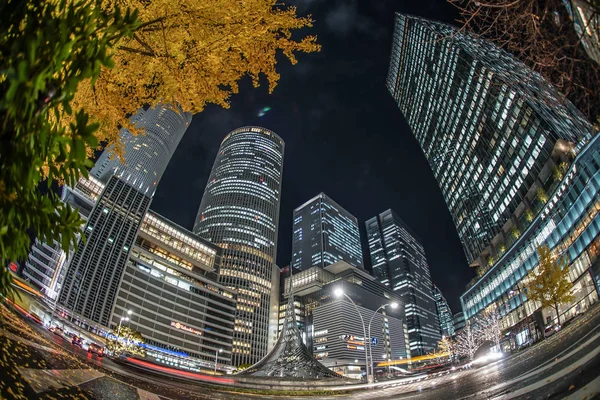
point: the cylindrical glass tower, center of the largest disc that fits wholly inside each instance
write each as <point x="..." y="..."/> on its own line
<point x="240" y="213"/>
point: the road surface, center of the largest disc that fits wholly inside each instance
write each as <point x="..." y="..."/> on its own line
<point x="566" y="365"/>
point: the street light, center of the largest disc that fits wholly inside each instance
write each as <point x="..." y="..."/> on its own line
<point x="339" y="292"/>
<point x="129" y="312"/>
<point x="217" y="358"/>
<point x="393" y="305"/>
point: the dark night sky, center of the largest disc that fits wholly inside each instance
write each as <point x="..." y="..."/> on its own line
<point x="344" y="136"/>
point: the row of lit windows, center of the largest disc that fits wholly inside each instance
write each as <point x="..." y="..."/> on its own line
<point x="527" y="258"/>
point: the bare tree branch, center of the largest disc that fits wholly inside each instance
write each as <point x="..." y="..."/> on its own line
<point x="542" y="34"/>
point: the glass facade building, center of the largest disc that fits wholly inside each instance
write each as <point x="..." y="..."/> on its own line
<point x="145" y="155"/>
<point x="491" y="129"/>
<point x="398" y="261"/>
<point x="444" y="313"/>
<point x="514" y="159"/>
<point x="94" y="273"/>
<point x="170" y="284"/>
<point x="569" y="223"/>
<point x="239" y="212"/>
<point x="324" y="233"/>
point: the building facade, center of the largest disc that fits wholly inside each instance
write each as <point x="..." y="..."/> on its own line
<point x="170" y="286"/>
<point x="398" y="261"/>
<point x="514" y="159"/>
<point x="339" y="343"/>
<point x="491" y="129"/>
<point x="239" y="212"/>
<point x="444" y="313"/>
<point x="45" y="265"/>
<point x="332" y="328"/>
<point x="145" y="156"/>
<point x="569" y="224"/>
<point x="94" y="273"/>
<point x="324" y="233"/>
<point x="458" y="321"/>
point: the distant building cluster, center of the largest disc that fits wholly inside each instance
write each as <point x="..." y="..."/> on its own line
<point x="518" y="167"/>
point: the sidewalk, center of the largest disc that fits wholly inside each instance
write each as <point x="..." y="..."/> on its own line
<point x="32" y="367"/>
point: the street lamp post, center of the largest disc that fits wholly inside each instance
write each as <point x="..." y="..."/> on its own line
<point x="129" y="312"/>
<point x="217" y="358"/>
<point x="120" y="322"/>
<point x="339" y="292"/>
<point x="368" y="365"/>
<point x="393" y="305"/>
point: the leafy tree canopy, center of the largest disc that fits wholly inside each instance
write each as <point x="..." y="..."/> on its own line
<point x="46" y="49"/>
<point x="550" y="284"/>
<point x="192" y="52"/>
<point x="127" y="341"/>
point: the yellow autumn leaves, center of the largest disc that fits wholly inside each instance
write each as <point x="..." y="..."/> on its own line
<point x="192" y="52"/>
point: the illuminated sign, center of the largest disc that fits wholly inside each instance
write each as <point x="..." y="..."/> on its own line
<point x="13" y="267"/>
<point x="160" y="349"/>
<point x="352" y="347"/>
<point x="179" y="325"/>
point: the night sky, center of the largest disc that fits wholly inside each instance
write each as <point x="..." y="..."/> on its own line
<point x="343" y="134"/>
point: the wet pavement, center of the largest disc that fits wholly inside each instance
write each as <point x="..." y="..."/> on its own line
<point x="566" y="365"/>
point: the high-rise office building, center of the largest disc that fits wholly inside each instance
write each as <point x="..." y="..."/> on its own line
<point x="398" y="261"/>
<point x="487" y="125"/>
<point x="146" y="155"/>
<point x="458" y="321"/>
<point x="324" y="233"/>
<point x="239" y="212"/>
<point x="444" y="313"/>
<point x="516" y="163"/>
<point x="94" y="274"/>
<point x="169" y="284"/>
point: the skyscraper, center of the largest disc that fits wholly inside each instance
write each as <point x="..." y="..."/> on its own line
<point x="239" y="212"/>
<point x="398" y="261"/>
<point x="516" y="163"/>
<point x="94" y="274"/>
<point x="491" y="129"/>
<point x="145" y="156"/>
<point x="444" y="312"/>
<point x="324" y="233"/>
